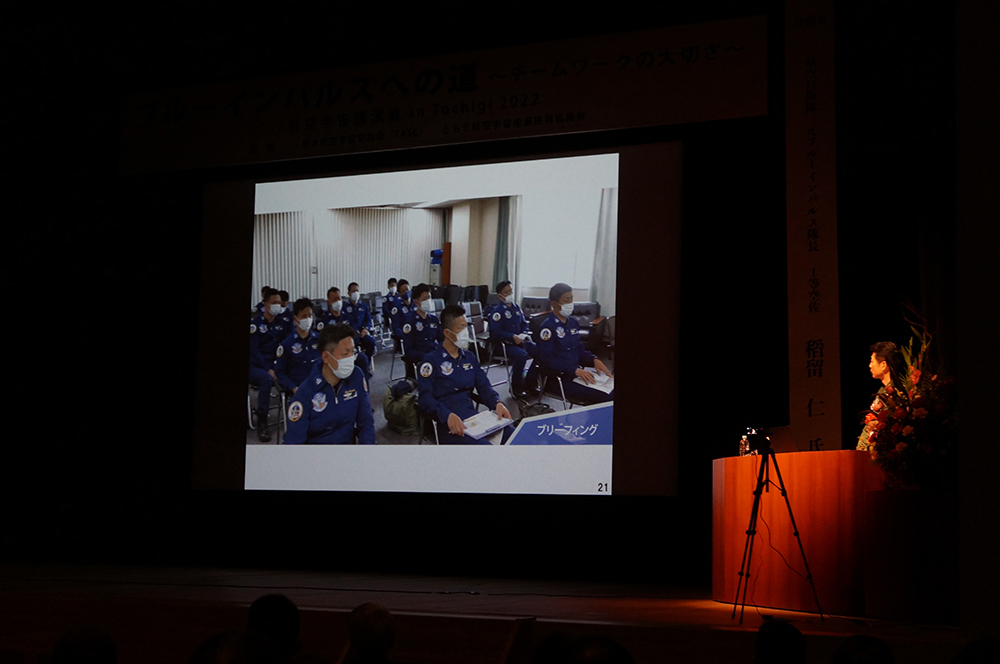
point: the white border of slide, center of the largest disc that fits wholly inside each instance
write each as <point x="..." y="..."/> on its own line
<point x="527" y="469"/>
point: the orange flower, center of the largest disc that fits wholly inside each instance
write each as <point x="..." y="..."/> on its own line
<point x="901" y="446"/>
<point x="907" y="430"/>
<point x="916" y="375"/>
<point x="920" y="413"/>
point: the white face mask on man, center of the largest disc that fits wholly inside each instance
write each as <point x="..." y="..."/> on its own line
<point x="305" y="323"/>
<point x="337" y="306"/>
<point x="567" y="310"/>
<point x="345" y="367"/>
<point x="427" y="306"/>
<point x="275" y="309"/>
<point x="462" y="339"/>
<point x="355" y="296"/>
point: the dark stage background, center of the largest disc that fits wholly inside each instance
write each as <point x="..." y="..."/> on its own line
<point x="106" y="275"/>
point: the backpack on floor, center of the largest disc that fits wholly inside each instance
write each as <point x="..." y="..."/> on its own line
<point x="400" y="411"/>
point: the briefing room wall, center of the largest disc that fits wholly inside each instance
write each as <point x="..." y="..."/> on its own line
<point x="366" y="245"/>
<point x="558" y="235"/>
<point x="369" y="245"/>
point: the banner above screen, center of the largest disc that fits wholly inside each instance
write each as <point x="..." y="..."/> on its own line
<point x="676" y="75"/>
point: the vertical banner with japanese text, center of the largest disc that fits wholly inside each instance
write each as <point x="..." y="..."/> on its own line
<point x="813" y="294"/>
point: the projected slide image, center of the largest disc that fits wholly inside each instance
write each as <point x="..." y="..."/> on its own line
<point x="375" y="316"/>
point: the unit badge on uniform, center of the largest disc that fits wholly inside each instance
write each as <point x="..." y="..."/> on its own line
<point x="350" y="394"/>
<point x="295" y="411"/>
<point x="560" y="332"/>
<point x="319" y="325"/>
<point x="280" y="351"/>
<point x="406" y="329"/>
<point x="263" y="327"/>
<point x="319" y="402"/>
<point x="420" y="326"/>
<point x="253" y="328"/>
<point x="574" y="331"/>
<point x="394" y="311"/>
<point x="405" y="310"/>
<point x="507" y="314"/>
<point x="466" y="366"/>
<point x="496" y="316"/>
<point x="546" y="334"/>
<point x="296" y="348"/>
<point x="446" y="369"/>
<point x="426" y="369"/>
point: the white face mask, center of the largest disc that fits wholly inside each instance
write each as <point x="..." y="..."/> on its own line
<point x="305" y="323"/>
<point x="392" y="290"/>
<point x="427" y="306"/>
<point x="355" y="296"/>
<point x="509" y="299"/>
<point x="567" y="309"/>
<point x="336" y="306"/>
<point x="345" y="367"/>
<point x="462" y="339"/>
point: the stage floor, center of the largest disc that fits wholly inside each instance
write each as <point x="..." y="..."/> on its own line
<point x="170" y="610"/>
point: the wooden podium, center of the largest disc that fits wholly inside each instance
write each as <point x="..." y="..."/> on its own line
<point x="827" y="494"/>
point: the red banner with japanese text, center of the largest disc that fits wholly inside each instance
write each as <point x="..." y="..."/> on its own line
<point x="813" y="293"/>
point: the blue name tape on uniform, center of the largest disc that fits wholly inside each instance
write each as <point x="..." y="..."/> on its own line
<point x="590" y="425"/>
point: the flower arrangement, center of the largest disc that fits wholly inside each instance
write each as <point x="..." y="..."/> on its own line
<point x="911" y="427"/>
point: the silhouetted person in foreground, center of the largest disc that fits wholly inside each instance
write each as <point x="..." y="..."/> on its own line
<point x="372" y="634"/>
<point x="237" y="648"/>
<point x="980" y="651"/>
<point x="563" y="647"/>
<point x="863" y="649"/>
<point x="779" y="643"/>
<point x="85" y="645"/>
<point x="277" y="617"/>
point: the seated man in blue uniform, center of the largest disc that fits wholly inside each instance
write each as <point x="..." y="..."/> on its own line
<point x="333" y="314"/>
<point x="336" y="314"/>
<point x="448" y="374"/>
<point x="561" y="352"/>
<point x="360" y="318"/>
<point x="420" y="330"/>
<point x="267" y="330"/>
<point x="332" y="406"/>
<point x="509" y="327"/>
<point x="297" y="353"/>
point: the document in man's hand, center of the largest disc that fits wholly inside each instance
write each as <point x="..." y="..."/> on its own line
<point x="604" y="382"/>
<point x="484" y="423"/>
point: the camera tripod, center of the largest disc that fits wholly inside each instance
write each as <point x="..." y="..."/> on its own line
<point x="763" y="484"/>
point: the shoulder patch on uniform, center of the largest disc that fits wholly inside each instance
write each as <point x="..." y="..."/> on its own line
<point x="280" y="351"/>
<point x="319" y="325"/>
<point x="394" y="311"/>
<point x="319" y="402"/>
<point x="426" y="369"/>
<point x="507" y="313"/>
<point x="263" y="327"/>
<point x="496" y="316"/>
<point x="295" y="411"/>
<point x="406" y="329"/>
<point x="546" y="334"/>
<point x="253" y="328"/>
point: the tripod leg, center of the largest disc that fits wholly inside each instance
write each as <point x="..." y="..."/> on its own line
<point x="795" y="531"/>
<point x="744" y="575"/>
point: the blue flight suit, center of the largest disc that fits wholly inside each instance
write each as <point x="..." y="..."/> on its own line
<point x="445" y="386"/>
<point x="419" y="335"/>
<point x="561" y="351"/>
<point x="325" y="317"/>
<point x="265" y="338"/>
<point x="360" y="318"/>
<point x="324" y="414"/>
<point x="506" y="320"/>
<point x="294" y="359"/>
